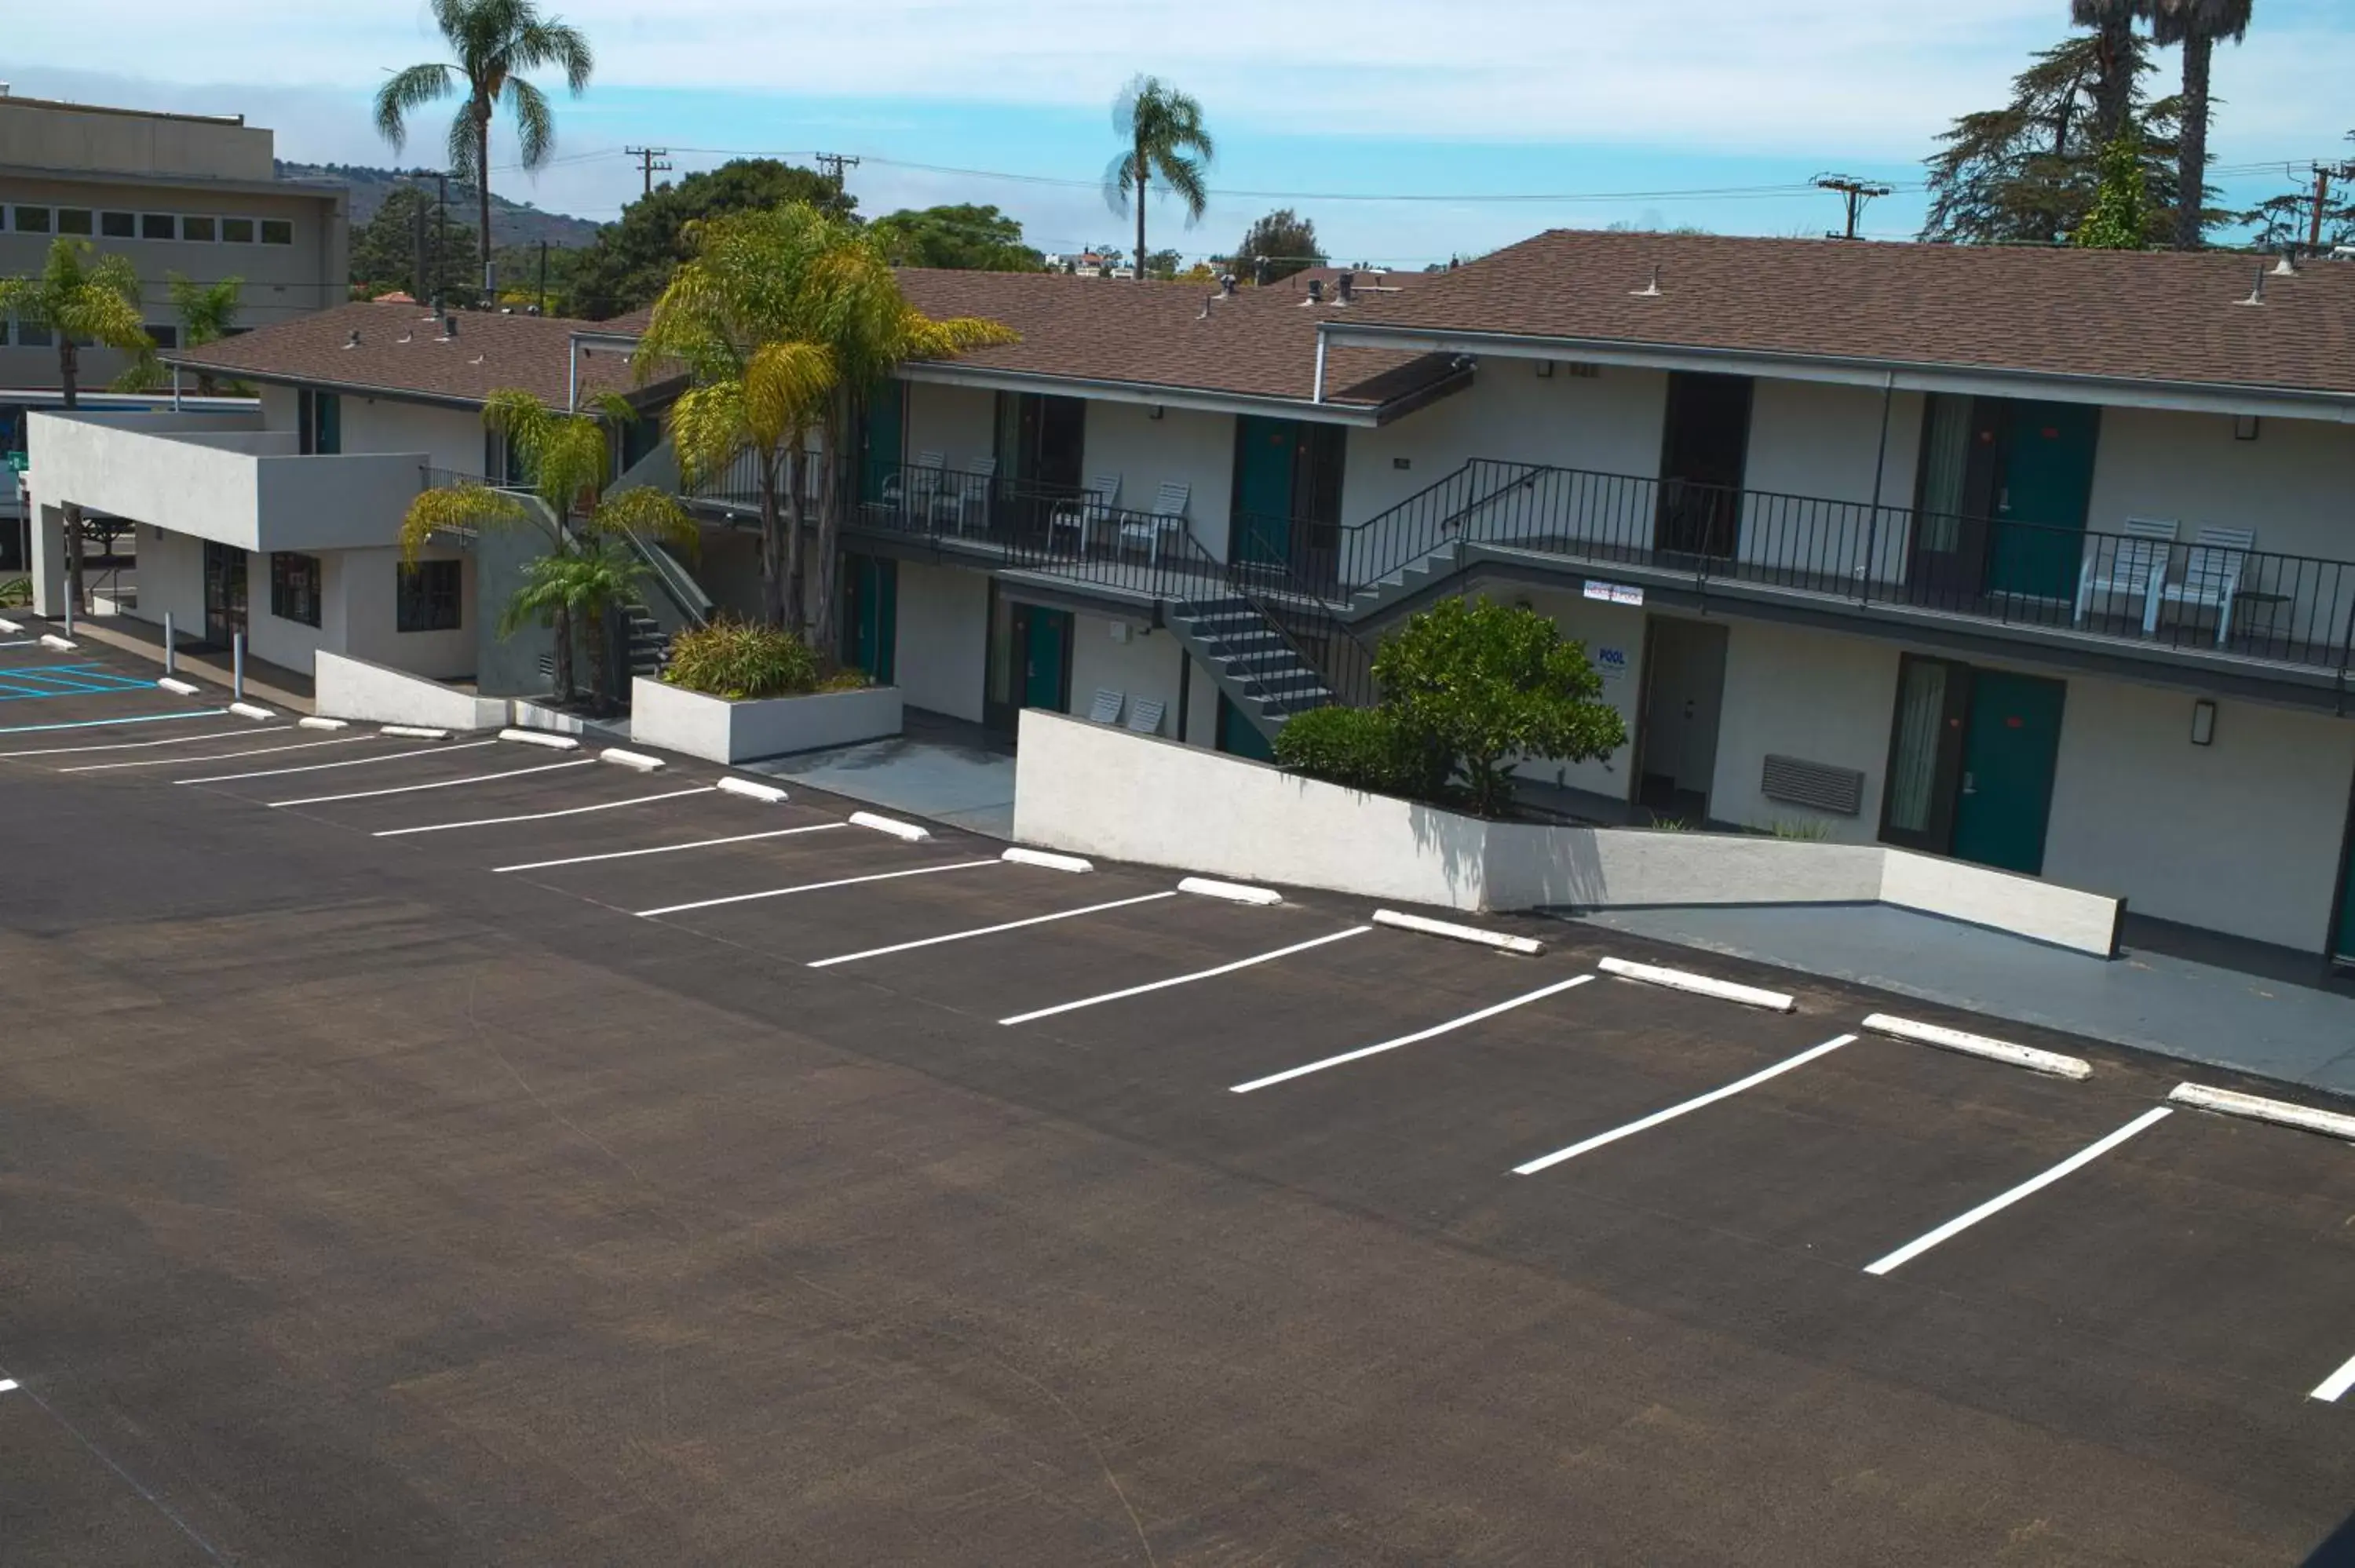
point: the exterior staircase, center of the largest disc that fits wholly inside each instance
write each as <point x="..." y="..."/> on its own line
<point x="644" y="643"/>
<point x="1409" y="582"/>
<point x="1253" y="662"/>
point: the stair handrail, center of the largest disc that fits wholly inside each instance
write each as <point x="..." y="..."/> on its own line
<point x="1280" y="612"/>
<point x="679" y="585"/>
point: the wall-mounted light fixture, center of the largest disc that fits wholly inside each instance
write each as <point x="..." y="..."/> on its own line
<point x="1545" y="369"/>
<point x="2244" y="426"/>
<point x="2204" y="723"/>
<point x="1153" y="412"/>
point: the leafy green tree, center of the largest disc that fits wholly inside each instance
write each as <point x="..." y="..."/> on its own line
<point x="496" y="41"/>
<point x="963" y="239"/>
<point x="587" y="587"/>
<point x="2120" y="217"/>
<point x="782" y="318"/>
<point x="2027" y="173"/>
<point x="384" y="251"/>
<point x="632" y="260"/>
<point x="1283" y="240"/>
<point x="1489" y="686"/>
<point x="1164" y="135"/>
<point x="2196" y="25"/>
<point x="569" y="457"/>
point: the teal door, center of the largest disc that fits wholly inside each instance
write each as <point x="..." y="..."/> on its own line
<point x="2345" y="945"/>
<point x="2009" y="750"/>
<point x="870" y="615"/>
<point x="1238" y="736"/>
<point x="886" y="416"/>
<point x="1267" y="455"/>
<point x="1046" y="658"/>
<point x="2048" y="479"/>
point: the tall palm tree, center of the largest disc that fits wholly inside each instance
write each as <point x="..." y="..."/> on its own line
<point x="569" y="458"/>
<point x="2113" y="92"/>
<point x="2196" y="25"/>
<point x="496" y="42"/>
<point x="588" y="585"/>
<point x="1164" y="133"/>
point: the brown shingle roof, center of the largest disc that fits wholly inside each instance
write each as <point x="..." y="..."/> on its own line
<point x="1261" y="344"/>
<point x="491" y="352"/>
<point x="2153" y="316"/>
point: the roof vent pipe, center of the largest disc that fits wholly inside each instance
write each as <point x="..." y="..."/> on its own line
<point x="1652" y="290"/>
<point x="1346" y="286"/>
<point x="355" y="341"/>
<point x="2287" y="266"/>
<point x="450" y="326"/>
<point x="1315" y="292"/>
<point x="2258" y="294"/>
<point x="1227" y="284"/>
<point x="1259" y="272"/>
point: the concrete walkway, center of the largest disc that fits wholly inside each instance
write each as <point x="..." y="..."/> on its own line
<point x="264" y="682"/>
<point x="2234" y="1015"/>
<point x="939" y="768"/>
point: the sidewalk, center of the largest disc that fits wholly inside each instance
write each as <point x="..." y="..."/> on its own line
<point x="264" y="682"/>
<point x="939" y="767"/>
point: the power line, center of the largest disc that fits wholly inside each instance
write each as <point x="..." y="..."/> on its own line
<point x="1859" y="194"/>
<point x="652" y="161"/>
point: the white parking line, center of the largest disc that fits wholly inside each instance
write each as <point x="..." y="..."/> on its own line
<point x="238" y="734"/>
<point x="2336" y="1386"/>
<point x="1186" y="980"/>
<point x="545" y="816"/>
<point x="669" y="849"/>
<point x="1996" y="1205"/>
<point x="7" y="1385"/>
<point x="815" y="887"/>
<point x="990" y="930"/>
<point x="213" y="757"/>
<point x="437" y="784"/>
<point x="111" y="723"/>
<point x="1711" y="1098"/>
<point x="1449" y="1027"/>
<point x="324" y="766"/>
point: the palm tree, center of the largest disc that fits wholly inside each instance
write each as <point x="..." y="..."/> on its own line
<point x="782" y="318"/>
<point x="1164" y="133"/>
<point x="569" y="459"/>
<point x="2196" y="25"/>
<point x="496" y="42"/>
<point x="587" y="585"/>
<point x="2114" y="92"/>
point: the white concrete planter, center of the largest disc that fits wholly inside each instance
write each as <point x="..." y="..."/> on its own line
<point x="717" y="730"/>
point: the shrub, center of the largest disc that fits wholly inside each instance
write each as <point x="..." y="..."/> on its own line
<point x="740" y="661"/>
<point x="1356" y="746"/>
<point x="16" y="590"/>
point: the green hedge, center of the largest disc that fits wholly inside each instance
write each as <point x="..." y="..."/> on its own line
<point x="740" y="661"/>
<point x="1363" y="748"/>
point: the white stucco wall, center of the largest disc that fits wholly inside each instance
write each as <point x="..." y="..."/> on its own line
<point x="1144" y="669"/>
<point x="290" y="642"/>
<point x="940" y="660"/>
<point x="1606" y="629"/>
<point x="370" y="613"/>
<point x="1202" y="709"/>
<point x="171" y="579"/>
<point x="1146" y="452"/>
<point x="2295" y="484"/>
<point x="2241" y="836"/>
<point x="1815" y="696"/>
<point x="958" y="422"/>
<point x="450" y="439"/>
<point x="1823" y="442"/>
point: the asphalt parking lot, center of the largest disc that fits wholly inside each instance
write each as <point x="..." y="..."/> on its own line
<point x="466" y="1150"/>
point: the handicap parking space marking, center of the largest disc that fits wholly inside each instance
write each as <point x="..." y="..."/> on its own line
<point x="545" y="816"/>
<point x="1226" y="968"/>
<point x="2332" y="1388"/>
<point x="215" y="755"/>
<point x="814" y="888"/>
<point x="109" y="722"/>
<point x="670" y="849"/>
<point x="1432" y="1032"/>
<point x="238" y="733"/>
<point x="2029" y="1187"/>
<point x="323" y="767"/>
<point x="34" y="684"/>
<point x="990" y="930"/>
<point x="1764" y="1075"/>
<point x="434" y="784"/>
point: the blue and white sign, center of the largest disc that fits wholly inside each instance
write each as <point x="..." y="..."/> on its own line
<point x="1612" y="663"/>
<point x="1613" y="593"/>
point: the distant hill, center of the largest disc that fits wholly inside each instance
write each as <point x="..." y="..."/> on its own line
<point x="512" y="222"/>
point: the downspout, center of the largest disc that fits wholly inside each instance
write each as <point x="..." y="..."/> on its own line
<point x="1880" y="468"/>
<point x="571" y="372"/>
<point x="1317" y="394"/>
<point x="175" y="389"/>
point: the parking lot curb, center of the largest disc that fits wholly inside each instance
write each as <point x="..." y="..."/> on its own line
<point x="898" y="830"/>
<point x="1700" y="985"/>
<point x="1527" y="947"/>
<point x="414" y="732"/>
<point x="2047" y="1062"/>
<point x="51" y="640"/>
<point x="251" y="711"/>
<point x="320" y="724"/>
<point x="541" y="737"/>
<point x="768" y="794"/>
<point x="183" y="687"/>
<point x="11" y="628"/>
<point x="1020" y="856"/>
<point x="636" y="759"/>
<point x="2256" y="1108"/>
<point x="1232" y="891"/>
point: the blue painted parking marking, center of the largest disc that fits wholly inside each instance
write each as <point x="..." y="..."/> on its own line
<point x="35" y="683"/>
<point x="99" y="724"/>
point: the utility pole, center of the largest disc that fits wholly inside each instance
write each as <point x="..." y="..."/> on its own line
<point x="652" y="161"/>
<point x="1856" y="192"/>
<point x="416" y="223"/>
<point x="442" y="236"/>
<point x="543" y="276"/>
<point x="832" y="165"/>
<point x="2323" y="175"/>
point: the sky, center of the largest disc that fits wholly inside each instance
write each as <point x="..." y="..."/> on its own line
<point x="1407" y="130"/>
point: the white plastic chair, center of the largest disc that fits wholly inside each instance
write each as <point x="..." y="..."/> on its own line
<point x="2131" y="567"/>
<point x="965" y="496"/>
<point x="1145" y="717"/>
<point x="1167" y="516"/>
<point x="1107" y="707"/>
<point x="1088" y="509"/>
<point x="2210" y="577"/>
<point x="912" y="489"/>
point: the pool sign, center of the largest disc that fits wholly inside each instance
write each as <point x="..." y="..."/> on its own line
<point x="1613" y="593"/>
<point x="1612" y="662"/>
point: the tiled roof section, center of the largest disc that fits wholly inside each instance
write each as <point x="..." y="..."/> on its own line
<point x="2151" y="317"/>
<point x="1260" y="344"/>
<point x="400" y="350"/>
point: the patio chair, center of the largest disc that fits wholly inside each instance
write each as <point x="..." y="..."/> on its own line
<point x="1167" y="516"/>
<point x="1088" y="510"/>
<point x="1107" y="707"/>
<point x="964" y="499"/>
<point x="912" y="490"/>
<point x="1145" y="717"/>
<point x="2132" y="567"/>
<point x="2210" y="577"/>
